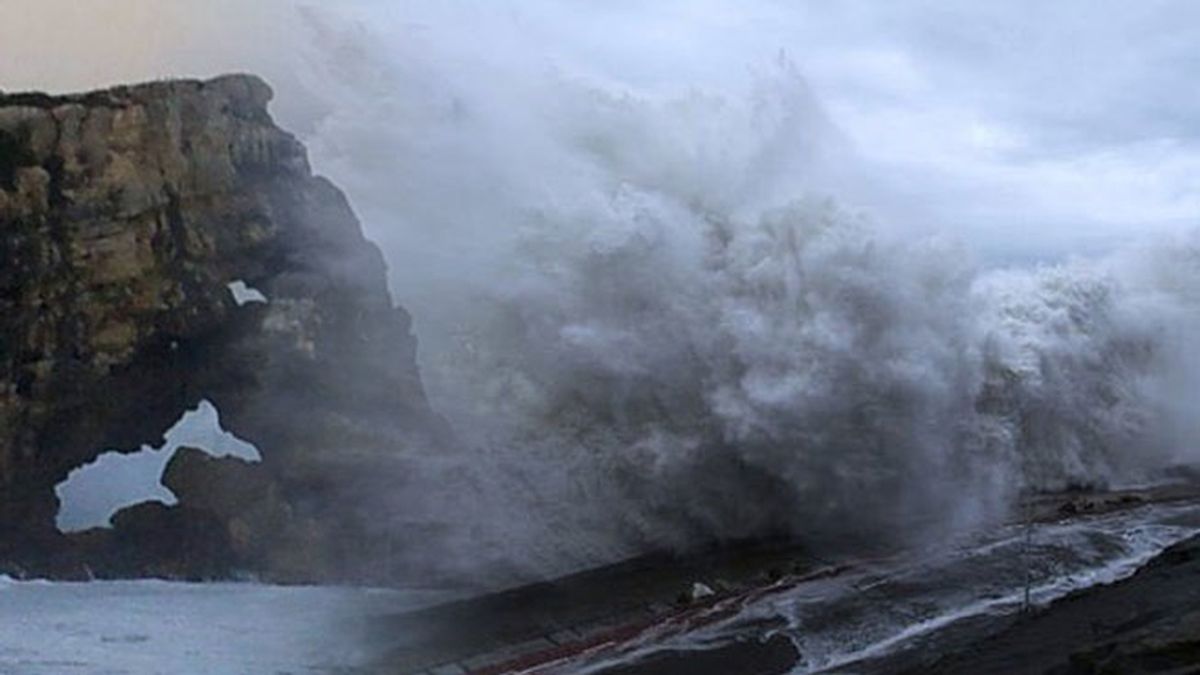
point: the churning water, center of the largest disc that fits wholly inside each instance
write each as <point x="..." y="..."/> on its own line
<point x="658" y="315"/>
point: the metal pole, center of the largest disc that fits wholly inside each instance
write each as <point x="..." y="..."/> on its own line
<point x="1028" y="549"/>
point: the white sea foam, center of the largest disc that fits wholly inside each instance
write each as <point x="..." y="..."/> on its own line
<point x="659" y="315"/>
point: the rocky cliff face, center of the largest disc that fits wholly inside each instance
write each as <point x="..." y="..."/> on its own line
<point x="124" y="215"/>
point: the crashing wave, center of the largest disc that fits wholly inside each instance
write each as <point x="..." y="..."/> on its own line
<point x="666" y="324"/>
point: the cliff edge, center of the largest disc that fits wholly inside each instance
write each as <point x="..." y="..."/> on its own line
<point x="125" y="216"/>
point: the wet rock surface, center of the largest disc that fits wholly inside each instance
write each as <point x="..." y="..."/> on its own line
<point x="124" y="215"/>
<point x="525" y="628"/>
<point x="780" y="607"/>
<point x="1148" y="623"/>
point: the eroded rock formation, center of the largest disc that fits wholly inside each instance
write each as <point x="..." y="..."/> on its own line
<point x="124" y="215"/>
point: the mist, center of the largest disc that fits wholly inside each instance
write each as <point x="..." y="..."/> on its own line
<point x="712" y="270"/>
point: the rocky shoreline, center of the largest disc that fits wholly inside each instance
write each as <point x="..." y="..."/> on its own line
<point x="1147" y="623"/>
<point x="600" y="616"/>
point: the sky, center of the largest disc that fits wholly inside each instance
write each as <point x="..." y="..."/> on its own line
<point x="1032" y="130"/>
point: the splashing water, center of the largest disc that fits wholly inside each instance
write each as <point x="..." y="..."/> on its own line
<point x="656" y="317"/>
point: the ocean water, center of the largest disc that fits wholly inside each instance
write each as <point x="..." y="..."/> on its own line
<point x="147" y="627"/>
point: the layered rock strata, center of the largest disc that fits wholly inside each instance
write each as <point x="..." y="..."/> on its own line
<point x="124" y="216"/>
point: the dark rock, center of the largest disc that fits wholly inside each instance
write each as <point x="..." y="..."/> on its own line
<point x="1147" y="623"/>
<point x="173" y="542"/>
<point x="124" y="215"/>
<point x="241" y="496"/>
<point x="773" y="656"/>
<point x="226" y="487"/>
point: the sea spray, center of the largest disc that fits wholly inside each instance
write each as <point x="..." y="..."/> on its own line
<point x="659" y="316"/>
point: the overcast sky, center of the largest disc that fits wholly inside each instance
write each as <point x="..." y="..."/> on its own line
<point x="1067" y="122"/>
<point x="1032" y="129"/>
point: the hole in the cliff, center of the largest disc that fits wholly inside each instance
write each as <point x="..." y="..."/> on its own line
<point x="93" y="493"/>
<point x="243" y="294"/>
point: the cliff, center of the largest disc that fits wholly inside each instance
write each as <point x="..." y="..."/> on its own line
<point x="124" y="216"/>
